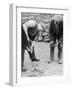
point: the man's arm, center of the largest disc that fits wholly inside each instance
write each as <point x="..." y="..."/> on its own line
<point x="25" y="30"/>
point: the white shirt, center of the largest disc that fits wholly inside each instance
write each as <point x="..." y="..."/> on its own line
<point x="30" y="23"/>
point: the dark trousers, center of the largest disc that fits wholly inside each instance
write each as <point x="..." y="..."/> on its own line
<point x="60" y="47"/>
<point x="31" y="55"/>
<point x="56" y="35"/>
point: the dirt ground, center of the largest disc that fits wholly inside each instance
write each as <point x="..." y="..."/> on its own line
<point x="42" y="68"/>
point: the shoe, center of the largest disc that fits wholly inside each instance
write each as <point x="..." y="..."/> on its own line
<point x="51" y="60"/>
<point x="60" y="61"/>
<point x="35" y="60"/>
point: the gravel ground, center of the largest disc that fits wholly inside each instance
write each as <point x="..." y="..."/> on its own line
<point x="42" y="68"/>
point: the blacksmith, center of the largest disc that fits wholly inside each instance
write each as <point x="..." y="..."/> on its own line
<point x="29" y="33"/>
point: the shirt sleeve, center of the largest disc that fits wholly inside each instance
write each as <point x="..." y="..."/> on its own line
<point x="25" y="30"/>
